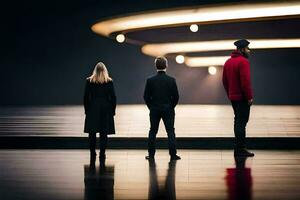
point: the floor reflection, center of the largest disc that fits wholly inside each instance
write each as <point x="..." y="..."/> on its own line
<point x="239" y="181"/>
<point x="165" y="191"/>
<point x="98" y="181"/>
<point x="201" y="174"/>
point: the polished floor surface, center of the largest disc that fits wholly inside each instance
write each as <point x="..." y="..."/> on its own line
<point x="132" y="121"/>
<point x="201" y="174"/>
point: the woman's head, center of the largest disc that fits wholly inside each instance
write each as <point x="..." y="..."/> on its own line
<point x="100" y="74"/>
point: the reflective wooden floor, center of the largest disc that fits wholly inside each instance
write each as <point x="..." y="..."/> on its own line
<point x="201" y="174"/>
<point x="132" y="121"/>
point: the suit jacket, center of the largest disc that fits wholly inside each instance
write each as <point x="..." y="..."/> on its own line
<point x="161" y="91"/>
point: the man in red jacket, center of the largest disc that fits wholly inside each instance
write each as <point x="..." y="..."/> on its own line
<point x="237" y="83"/>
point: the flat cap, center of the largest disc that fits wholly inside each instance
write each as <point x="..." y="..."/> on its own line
<point x="241" y="43"/>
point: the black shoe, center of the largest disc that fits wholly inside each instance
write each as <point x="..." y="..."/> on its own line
<point x="149" y="157"/>
<point x="175" y="157"/>
<point x="243" y="153"/>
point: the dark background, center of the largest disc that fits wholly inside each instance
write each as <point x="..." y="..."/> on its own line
<point x="48" y="50"/>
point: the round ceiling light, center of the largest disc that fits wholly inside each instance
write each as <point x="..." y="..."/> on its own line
<point x="212" y="70"/>
<point x="194" y="28"/>
<point x="120" y="38"/>
<point x="180" y="59"/>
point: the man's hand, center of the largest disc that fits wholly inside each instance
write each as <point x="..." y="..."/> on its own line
<point x="250" y="102"/>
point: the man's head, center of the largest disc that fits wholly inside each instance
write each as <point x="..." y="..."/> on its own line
<point x="161" y="63"/>
<point x="242" y="46"/>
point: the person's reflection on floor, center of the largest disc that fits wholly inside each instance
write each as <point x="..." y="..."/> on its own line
<point x="98" y="181"/>
<point x="166" y="191"/>
<point x="239" y="181"/>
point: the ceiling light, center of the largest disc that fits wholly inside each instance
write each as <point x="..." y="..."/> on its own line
<point x="159" y="49"/>
<point x="212" y="70"/>
<point x="180" y="59"/>
<point x="120" y="38"/>
<point x="232" y="12"/>
<point x="205" y="61"/>
<point x="194" y="28"/>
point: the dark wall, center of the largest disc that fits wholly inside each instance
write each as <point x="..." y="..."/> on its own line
<point x="49" y="50"/>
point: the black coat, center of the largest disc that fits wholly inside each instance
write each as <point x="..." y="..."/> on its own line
<point x="99" y="107"/>
<point x="161" y="91"/>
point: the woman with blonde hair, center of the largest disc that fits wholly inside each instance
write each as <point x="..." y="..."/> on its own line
<point x="99" y="107"/>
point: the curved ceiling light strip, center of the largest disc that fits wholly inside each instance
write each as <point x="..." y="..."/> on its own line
<point x="205" y="61"/>
<point x="199" y="15"/>
<point x="161" y="49"/>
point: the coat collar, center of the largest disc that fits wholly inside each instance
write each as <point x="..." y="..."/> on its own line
<point x="161" y="71"/>
<point x="236" y="53"/>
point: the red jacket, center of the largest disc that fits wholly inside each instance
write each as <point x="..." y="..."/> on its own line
<point x="236" y="77"/>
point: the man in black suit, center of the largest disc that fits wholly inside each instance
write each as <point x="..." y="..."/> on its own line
<point x="161" y="97"/>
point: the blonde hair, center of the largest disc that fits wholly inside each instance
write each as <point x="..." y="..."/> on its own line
<point x="100" y="74"/>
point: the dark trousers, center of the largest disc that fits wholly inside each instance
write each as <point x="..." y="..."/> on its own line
<point x="167" y="115"/>
<point x="102" y="144"/>
<point x="241" y="116"/>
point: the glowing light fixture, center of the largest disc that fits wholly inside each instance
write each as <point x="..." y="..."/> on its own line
<point x="180" y="59"/>
<point x="200" y="15"/>
<point x="212" y="70"/>
<point x="194" y="28"/>
<point x="205" y="61"/>
<point x="216" y="45"/>
<point x="120" y="38"/>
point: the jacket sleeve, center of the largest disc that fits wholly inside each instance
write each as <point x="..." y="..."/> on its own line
<point x="175" y="95"/>
<point x="112" y="97"/>
<point x="225" y="81"/>
<point x="147" y="94"/>
<point x="244" y="70"/>
<point x="86" y="96"/>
